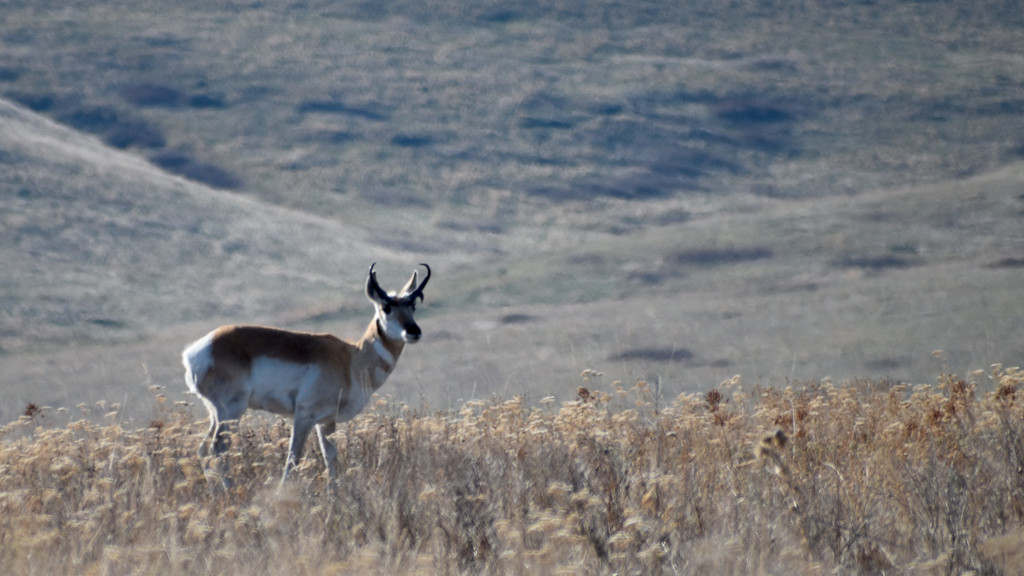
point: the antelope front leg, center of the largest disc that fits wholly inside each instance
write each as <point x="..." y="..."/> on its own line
<point x="328" y="449"/>
<point x="300" y="430"/>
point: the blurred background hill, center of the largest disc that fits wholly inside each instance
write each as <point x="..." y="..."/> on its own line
<point x="675" y="192"/>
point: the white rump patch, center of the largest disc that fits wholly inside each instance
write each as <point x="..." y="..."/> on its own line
<point x="198" y="359"/>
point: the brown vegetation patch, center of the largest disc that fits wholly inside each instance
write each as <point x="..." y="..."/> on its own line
<point x="886" y="363"/>
<point x="134" y="133"/>
<point x="655" y="354"/>
<point x="877" y="263"/>
<point x="338" y="107"/>
<point x="867" y="477"/>
<point x="146" y="94"/>
<point x="516" y="318"/>
<point x="1007" y="263"/>
<point x="611" y="482"/>
<point x="206" y="101"/>
<point x="184" y="165"/>
<point x="717" y="256"/>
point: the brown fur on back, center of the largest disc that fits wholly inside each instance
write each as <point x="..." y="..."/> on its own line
<point x="296" y="347"/>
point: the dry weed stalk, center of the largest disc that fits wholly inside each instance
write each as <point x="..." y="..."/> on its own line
<point x="865" y="477"/>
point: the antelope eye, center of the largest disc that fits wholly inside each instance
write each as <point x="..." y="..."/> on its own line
<point x="386" y="308"/>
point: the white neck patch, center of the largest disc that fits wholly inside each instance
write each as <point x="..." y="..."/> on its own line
<point x="384" y="354"/>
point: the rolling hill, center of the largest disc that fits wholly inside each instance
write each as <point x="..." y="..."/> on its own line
<point x="677" y="194"/>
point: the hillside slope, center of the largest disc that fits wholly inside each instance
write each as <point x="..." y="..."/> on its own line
<point x="116" y="265"/>
<point x="666" y="191"/>
<point x="103" y="250"/>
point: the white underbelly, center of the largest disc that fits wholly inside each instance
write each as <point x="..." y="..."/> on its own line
<point x="276" y="384"/>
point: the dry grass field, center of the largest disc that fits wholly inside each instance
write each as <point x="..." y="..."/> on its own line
<point x="863" y="477"/>
<point x="813" y="194"/>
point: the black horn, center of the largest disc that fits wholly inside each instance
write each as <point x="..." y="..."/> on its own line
<point x="418" y="292"/>
<point x="373" y="289"/>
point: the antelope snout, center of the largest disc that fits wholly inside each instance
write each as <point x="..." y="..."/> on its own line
<point x="411" y="333"/>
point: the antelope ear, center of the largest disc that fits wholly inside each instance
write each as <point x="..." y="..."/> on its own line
<point x="410" y="285"/>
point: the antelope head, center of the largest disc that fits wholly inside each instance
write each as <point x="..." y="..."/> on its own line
<point x="395" y="312"/>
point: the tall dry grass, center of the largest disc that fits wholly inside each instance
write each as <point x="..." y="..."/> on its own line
<point x="860" y="478"/>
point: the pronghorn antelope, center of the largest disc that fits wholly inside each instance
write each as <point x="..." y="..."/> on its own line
<point x="317" y="379"/>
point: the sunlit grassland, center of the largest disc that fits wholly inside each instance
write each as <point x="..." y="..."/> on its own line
<point x="810" y="478"/>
